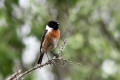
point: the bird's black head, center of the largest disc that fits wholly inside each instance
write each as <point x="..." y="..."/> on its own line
<point x="53" y="24"/>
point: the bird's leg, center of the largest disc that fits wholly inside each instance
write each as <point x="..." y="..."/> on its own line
<point x="55" y="54"/>
<point x="49" y="59"/>
<point x="47" y="56"/>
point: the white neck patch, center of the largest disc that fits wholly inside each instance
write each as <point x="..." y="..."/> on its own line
<point x="48" y="28"/>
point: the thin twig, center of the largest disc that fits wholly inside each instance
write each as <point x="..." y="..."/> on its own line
<point x="34" y="68"/>
<point x="12" y="77"/>
<point x="62" y="47"/>
<point x="39" y="66"/>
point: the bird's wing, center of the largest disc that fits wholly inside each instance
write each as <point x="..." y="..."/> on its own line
<point x="42" y="38"/>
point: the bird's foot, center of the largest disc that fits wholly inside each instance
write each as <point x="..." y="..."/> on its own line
<point x="56" y="55"/>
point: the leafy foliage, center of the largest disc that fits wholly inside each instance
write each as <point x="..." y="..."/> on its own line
<point x="91" y="28"/>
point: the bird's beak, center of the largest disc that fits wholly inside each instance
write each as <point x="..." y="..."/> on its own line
<point x="58" y="23"/>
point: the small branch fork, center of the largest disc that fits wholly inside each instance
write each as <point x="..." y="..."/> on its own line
<point x="19" y="75"/>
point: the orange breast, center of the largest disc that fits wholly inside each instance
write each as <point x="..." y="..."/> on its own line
<point x="54" y="34"/>
<point x="50" y="40"/>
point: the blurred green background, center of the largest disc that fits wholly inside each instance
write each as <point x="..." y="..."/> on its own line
<point x="91" y="28"/>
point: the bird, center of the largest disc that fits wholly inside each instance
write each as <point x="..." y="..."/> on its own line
<point x="49" y="39"/>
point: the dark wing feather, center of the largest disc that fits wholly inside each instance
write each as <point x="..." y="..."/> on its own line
<point x="42" y="38"/>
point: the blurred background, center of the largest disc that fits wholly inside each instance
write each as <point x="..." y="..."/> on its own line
<point x="91" y="28"/>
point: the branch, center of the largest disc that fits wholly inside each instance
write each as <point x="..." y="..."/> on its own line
<point x="52" y="61"/>
<point x="14" y="75"/>
<point x="18" y="75"/>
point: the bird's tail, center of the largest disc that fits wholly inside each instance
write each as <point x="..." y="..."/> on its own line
<point x="40" y="58"/>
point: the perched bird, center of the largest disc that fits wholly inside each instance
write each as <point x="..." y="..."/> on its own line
<point x="49" y="39"/>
